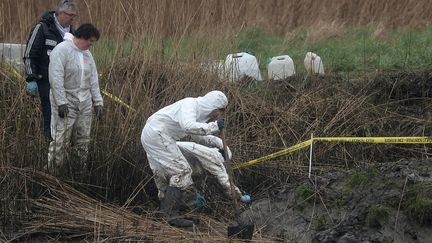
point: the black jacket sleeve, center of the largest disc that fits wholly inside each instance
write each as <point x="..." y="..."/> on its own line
<point x="34" y="52"/>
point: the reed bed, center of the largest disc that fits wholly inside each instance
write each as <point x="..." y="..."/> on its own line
<point x="61" y="209"/>
<point x="261" y="118"/>
<point x="156" y="18"/>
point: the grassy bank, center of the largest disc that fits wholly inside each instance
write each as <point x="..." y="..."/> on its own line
<point x="348" y="52"/>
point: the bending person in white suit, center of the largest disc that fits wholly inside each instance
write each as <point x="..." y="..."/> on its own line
<point x="198" y="118"/>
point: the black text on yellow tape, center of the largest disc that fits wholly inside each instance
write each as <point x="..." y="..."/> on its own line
<point x="383" y="140"/>
<point x="273" y="155"/>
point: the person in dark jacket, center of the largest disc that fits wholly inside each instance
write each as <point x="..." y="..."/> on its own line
<point x="42" y="39"/>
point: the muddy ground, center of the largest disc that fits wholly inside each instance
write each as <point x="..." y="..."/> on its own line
<point x="379" y="203"/>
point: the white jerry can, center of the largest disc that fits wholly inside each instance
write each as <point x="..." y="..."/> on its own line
<point x="313" y="64"/>
<point x="280" y="67"/>
<point x="12" y="53"/>
<point x="242" y="64"/>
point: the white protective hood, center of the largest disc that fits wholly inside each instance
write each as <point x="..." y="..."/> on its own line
<point x="188" y="116"/>
<point x="209" y="102"/>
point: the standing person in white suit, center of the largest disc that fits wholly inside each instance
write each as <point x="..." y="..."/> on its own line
<point x="74" y="92"/>
<point x="199" y="118"/>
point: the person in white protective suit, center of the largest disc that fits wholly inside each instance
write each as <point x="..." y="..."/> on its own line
<point x="208" y="156"/>
<point x="74" y="92"/>
<point x="198" y="118"/>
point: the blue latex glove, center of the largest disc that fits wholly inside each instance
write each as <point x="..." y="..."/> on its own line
<point x="32" y="88"/>
<point x="246" y="198"/>
<point x="199" y="200"/>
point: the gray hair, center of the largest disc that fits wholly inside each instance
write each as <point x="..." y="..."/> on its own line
<point x="64" y="5"/>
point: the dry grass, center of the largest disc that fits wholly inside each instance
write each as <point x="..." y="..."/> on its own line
<point x="154" y="18"/>
<point x="262" y="118"/>
<point x="45" y="207"/>
<point x="61" y="209"/>
<point x="323" y="31"/>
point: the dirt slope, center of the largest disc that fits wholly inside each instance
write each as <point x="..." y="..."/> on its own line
<point x="360" y="205"/>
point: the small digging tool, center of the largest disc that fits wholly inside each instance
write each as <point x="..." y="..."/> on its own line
<point x="237" y="229"/>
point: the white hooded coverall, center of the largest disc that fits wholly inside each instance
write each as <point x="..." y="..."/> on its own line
<point x="74" y="81"/>
<point x="167" y="126"/>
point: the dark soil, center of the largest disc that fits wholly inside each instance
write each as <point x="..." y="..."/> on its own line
<point x="372" y="204"/>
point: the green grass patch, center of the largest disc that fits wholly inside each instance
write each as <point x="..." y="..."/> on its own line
<point x="106" y="51"/>
<point x="305" y="193"/>
<point x="377" y="216"/>
<point x="357" y="179"/>
<point x="420" y="203"/>
<point x="353" y="52"/>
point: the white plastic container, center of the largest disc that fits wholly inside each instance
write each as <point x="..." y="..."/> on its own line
<point x="280" y="67"/>
<point x="242" y="64"/>
<point x="313" y="64"/>
<point x="12" y="53"/>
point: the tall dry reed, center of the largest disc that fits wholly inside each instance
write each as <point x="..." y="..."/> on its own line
<point x="160" y="18"/>
<point x="261" y="118"/>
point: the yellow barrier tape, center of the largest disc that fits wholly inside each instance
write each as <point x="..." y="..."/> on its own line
<point x="106" y="93"/>
<point x="388" y="140"/>
<point x="115" y="98"/>
<point x="12" y="71"/>
<point x="273" y="155"/>
<point x="383" y="140"/>
<point x="16" y="74"/>
<point x="118" y="100"/>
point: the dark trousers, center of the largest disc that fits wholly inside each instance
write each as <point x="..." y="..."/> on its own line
<point x="44" y="88"/>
